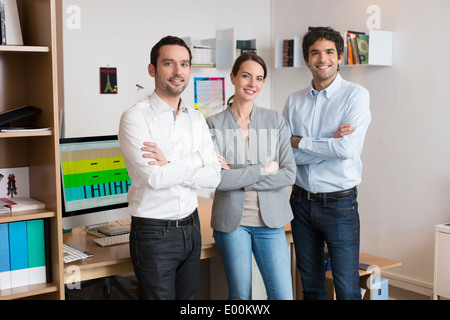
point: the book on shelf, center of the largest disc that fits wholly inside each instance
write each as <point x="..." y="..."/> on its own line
<point x="288" y="53"/>
<point x="363" y="48"/>
<point x="24" y="253"/>
<point x="357" y="48"/>
<point x="350" y="60"/>
<point x="10" y="24"/>
<point x="21" y="204"/>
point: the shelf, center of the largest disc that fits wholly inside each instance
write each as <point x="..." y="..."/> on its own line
<point x="220" y="52"/>
<point x="380" y="51"/>
<point x="24" y="49"/>
<point x="27" y="291"/>
<point x="26" y="215"/>
<point x="20" y="134"/>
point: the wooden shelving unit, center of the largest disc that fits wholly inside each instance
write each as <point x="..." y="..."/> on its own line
<point x="31" y="76"/>
<point x="297" y="53"/>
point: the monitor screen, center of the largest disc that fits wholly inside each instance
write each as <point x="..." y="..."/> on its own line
<point x="94" y="181"/>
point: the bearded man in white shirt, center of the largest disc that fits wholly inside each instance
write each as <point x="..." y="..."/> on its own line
<point x="165" y="239"/>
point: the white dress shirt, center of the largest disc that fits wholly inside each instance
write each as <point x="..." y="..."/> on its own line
<point x="324" y="163"/>
<point x="168" y="191"/>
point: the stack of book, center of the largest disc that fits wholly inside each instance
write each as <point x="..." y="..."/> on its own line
<point x="357" y="48"/>
<point x="203" y="55"/>
<point x="10" y="31"/>
<point x="24" y="253"/>
<point x="20" y="204"/>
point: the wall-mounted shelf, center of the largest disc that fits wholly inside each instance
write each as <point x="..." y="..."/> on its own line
<point x="288" y="53"/>
<point x="18" y="49"/>
<point x="218" y="52"/>
<point x="245" y="46"/>
<point x="380" y="50"/>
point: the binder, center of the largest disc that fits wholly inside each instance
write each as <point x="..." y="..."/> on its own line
<point x="18" y="251"/>
<point x="20" y="113"/>
<point x="5" y="266"/>
<point x="36" y="251"/>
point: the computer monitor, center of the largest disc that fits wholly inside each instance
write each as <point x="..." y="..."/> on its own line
<point x="94" y="181"/>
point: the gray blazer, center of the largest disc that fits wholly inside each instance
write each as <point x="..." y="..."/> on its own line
<point x="269" y="140"/>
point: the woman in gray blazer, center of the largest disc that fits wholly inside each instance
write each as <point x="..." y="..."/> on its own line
<point x="251" y="206"/>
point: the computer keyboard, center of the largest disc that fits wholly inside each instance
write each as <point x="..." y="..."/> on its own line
<point x="113" y="240"/>
<point x="71" y="254"/>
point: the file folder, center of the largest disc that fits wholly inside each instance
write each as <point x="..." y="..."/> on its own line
<point x="18" y="253"/>
<point x="36" y="251"/>
<point x="5" y="266"/>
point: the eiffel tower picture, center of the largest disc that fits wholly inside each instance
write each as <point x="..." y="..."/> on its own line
<point x="108" y="80"/>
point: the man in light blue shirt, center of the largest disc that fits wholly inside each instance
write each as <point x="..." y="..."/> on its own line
<point x="328" y="123"/>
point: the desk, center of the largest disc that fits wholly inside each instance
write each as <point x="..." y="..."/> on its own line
<point x="115" y="260"/>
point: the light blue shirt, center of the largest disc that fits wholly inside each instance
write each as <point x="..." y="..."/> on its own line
<point x="324" y="163"/>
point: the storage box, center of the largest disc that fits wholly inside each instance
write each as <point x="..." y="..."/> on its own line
<point x="379" y="288"/>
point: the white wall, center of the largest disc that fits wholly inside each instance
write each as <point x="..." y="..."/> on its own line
<point x="406" y="159"/>
<point x="122" y="33"/>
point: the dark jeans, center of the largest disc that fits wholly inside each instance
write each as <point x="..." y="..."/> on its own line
<point x="336" y="223"/>
<point x="166" y="259"/>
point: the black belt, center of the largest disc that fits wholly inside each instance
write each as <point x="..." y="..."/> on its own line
<point x="324" y="196"/>
<point x="166" y="223"/>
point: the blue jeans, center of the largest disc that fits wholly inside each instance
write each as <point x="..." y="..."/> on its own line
<point x="270" y="249"/>
<point x="336" y="223"/>
<point x="166" y="258"/>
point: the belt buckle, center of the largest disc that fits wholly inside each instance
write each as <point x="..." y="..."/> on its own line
<point x="308" y="196"/>
<point x="176" y="223"/>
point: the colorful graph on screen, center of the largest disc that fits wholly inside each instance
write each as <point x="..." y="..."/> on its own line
<point x="94" y="174"/>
